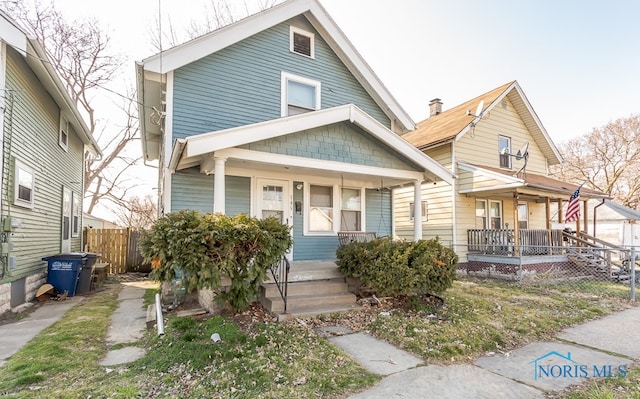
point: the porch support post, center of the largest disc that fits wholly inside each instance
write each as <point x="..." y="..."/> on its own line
<point x="516" y="227"/>
<point x="548" y="216"/>
<point x="218" y="185"/>
<point x="417" y="210"/>
<point x="585" y="212"/>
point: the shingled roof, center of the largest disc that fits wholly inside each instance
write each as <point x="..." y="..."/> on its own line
<point x="455" y="122"/>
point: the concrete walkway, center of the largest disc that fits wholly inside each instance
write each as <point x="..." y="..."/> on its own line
<point x="127" y="324"/>
<point x="578" y="353"/>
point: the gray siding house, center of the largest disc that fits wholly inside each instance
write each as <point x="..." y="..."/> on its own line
<point x="278" y="115"/>
<point x="44" y="143"/>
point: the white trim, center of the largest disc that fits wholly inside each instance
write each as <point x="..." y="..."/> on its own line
<point x="362" y="210"/>
<point x="197" y="145"/>
<point x="63" y="131"/>
<point x="3" y="103"/>
<point x="65" y="244"/>
<point x="285" y="78"/>
<point x="319" y="164"/>
<point x="167" y="126"/>
<point x="293" y="30"/>
<point x="508" y="155"/>
<point x="19" y="165"/>
<point x="307" y="209"/>
<point x="76" y="212"/>
<point x="166" y="191"/>
<point x="489" y="173"/>
<point x="219" y="39"/>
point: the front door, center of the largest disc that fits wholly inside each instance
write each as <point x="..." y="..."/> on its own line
<point x="274" y="200"/>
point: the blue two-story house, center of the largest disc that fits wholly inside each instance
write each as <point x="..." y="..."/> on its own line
<point x="278" y="115"/>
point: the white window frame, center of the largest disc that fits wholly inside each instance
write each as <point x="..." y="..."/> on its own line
<point x="76" y="214"/>
<point x="490" y="216"/>
<point x="285" y="78"/>
<point x="297" y="31"/>
<point x="20" y="166"/>
<point x="500" y="154"/>
<point x="307" y="210"/>
<point x="361" y="210"/>
<point x="63" y="132"/>
<point x="524" y="205"/>
<point x="425" y="211"/>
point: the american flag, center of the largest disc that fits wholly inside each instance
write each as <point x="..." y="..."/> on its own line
<point x="573" y="209"/>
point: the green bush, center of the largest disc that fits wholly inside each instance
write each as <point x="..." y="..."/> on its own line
<point x="393" y="268"/>
<point x="204" y="248"/>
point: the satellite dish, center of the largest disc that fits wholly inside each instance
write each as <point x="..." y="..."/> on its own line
<point x="523" y="152"/>
<point x="479" y="109"/>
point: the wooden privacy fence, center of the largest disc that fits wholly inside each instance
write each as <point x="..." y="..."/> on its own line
<point x="120" y="248"/>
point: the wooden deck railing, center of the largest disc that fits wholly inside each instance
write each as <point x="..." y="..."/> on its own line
<point x="502" y="241"/>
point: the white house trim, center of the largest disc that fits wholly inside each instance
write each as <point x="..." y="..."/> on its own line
<point x="188" y="151"/>
<point x="318" y="164"/>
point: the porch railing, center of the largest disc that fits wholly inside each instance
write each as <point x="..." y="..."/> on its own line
<point x="280" y="273"/>
<point x="502" y="241"/>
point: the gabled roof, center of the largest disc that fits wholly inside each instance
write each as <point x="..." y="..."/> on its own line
<point x="452" y="124"/>
<point x="38" y="61"/>
<point x="219" y="39"/>
<point x="191" y="149"/>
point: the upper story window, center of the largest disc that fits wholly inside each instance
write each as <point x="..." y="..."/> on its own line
<point x="24" y="182"/>
<point x="299" y="95"/>
<point x="301" y="42"/>
<point x="63" y="136"/>
<point x="504" y="149"/>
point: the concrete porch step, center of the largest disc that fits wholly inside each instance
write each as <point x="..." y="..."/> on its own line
<point x="306" y="288"/>
<point x="318" y="310"/>
<point x="297" y="303"/>
<point x="310" y="271"/>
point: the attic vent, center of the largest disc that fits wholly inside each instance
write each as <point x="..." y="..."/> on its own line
<point x="301" y="42"/>
<point x="503" y="103"/>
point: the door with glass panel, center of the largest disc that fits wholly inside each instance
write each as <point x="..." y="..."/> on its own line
<point x="274" y="200"/>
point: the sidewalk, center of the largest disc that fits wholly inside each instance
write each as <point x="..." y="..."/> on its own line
<point x="599" y="348"/>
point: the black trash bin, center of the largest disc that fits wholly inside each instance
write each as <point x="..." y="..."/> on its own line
<point x="71" y="271"/>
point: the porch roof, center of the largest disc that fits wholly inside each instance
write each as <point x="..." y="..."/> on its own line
<point x="527" y="183"/>
<point x="201" y="149"/>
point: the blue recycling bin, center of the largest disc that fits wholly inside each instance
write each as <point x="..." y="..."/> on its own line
<point x="64" y="270"/>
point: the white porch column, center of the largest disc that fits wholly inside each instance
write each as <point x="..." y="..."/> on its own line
<point x="417" y="210"/>
<point x="218" y="185"/>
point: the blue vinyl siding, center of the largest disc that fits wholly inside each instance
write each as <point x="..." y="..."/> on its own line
<point x="191" y="189"/>
<point x="238" y="195"/>
<point x="241" y="84"/>
<point x="338" y="142"/>
<point x="378" y="208"/>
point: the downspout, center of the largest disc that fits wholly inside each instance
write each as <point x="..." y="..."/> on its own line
<point x="595" y="208"/>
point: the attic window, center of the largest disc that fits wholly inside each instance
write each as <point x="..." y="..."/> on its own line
<point x="299" y="95"/>
<point x="301" y="42"/>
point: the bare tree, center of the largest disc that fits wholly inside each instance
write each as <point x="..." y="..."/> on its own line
<point x="138" y="212"/>
<point x="217" y="13"/>
<point x="607" y="159"/>
<point x="80" y="52"/>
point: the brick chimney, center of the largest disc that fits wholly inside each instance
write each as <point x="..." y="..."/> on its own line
<point x="435" y="107"/>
